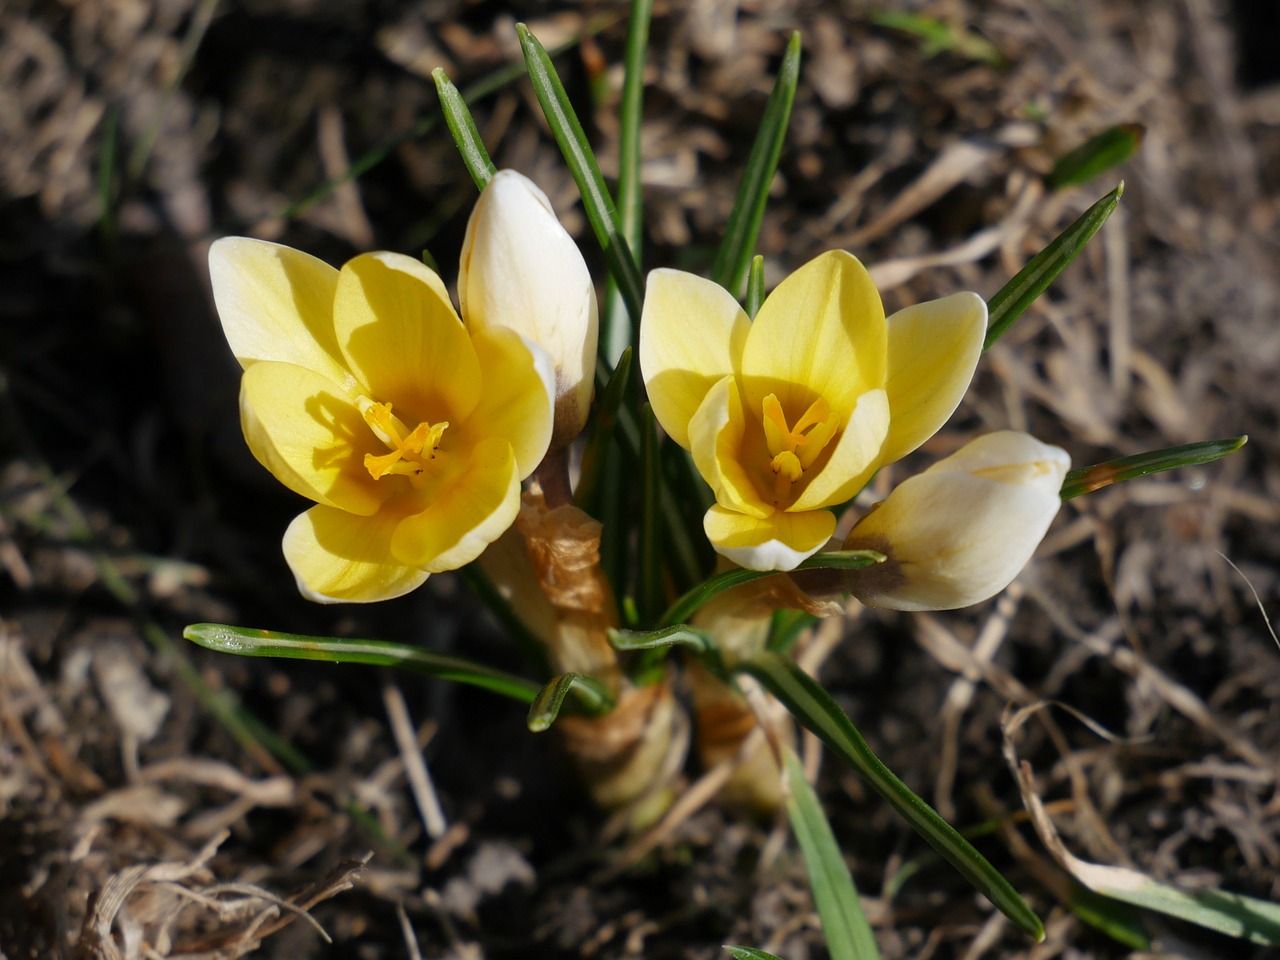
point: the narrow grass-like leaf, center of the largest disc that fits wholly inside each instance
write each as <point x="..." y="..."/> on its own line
<point x="604" y="422"/>
<point x="738" y="245"/>
<point x="684" y="608"/>
<point x="785" y="627"/>
<point x="1088" y="479"/>
<point x="1032" y="280"/>
<point x="515" y="629"/>
<point x="1096" y="156"/>
<point x="749" y="953"/>
<point x="937" y="37"/>
<point x="1122" y="922"/>
<point x="463" y="127"/>
<point x="699" y="642"/>
<point x="649" y="580"/>
<point x="577" y="153"/>
<point x="844" y="925"/>
<point x="368" y="160"/>
<point x="809" y="703"/>
<point x="618" y="329"/>
<point x="589" y="694"/>
<point x="755" y="287"/>
<point x="382" y="653"/>
<point x="197" y="27"/>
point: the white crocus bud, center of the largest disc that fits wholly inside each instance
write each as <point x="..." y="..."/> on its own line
<point x="521" y="269"/>
<point x="960" y="532"/>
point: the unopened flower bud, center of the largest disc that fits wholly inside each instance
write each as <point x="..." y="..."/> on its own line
<point x="959" y="533"/>
<point x="521" y="269"/>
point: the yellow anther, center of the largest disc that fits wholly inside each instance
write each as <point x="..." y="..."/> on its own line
<point x="794" y="449"/>
<point x="410" y="450"/>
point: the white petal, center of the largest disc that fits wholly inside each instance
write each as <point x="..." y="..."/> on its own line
<point x="520" y="269"/>
<point x="959" y="533"/>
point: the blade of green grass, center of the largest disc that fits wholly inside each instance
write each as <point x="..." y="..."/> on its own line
<point x="684" y="608"/>
<point x="618" y="330"/>
<point x="649" y="589"/>
<point x="1096" y="156"/>
<point x="198" y="26"/>
<point x="844" y="925"/>
<point x="734" y="255"/>
<point x="749" y="953"/>
<point x="1033" y="279"/>
<point x="604" y="422"/>
<point x="785" y="627"/>
<point x="382" y="653"/>
<point x="367" y="161"/>
<point x="463" y="128"/>
<point x="1088" y="479"/>
<point x="591" y="696"/>
<point x="755" y="287"/>
<point x="809" y="703"/>
<point x="577" y="153"/>
<point x="699" y="642"/>
<point x="106" y="178"/>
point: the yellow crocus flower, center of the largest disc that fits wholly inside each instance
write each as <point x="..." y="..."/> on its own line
<point x="791" y="414"/>
<point x="364" y="392"/>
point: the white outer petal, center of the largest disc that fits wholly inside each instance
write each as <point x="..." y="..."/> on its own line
<point x="521" y="269"/>
<point x="959" y="533"/>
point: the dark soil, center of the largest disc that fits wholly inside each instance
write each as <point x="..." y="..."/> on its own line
<point x="131" y="507"/>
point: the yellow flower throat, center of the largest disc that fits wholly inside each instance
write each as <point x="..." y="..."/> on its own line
<point x="793" y="449"/>
<point x="411" y="450"/>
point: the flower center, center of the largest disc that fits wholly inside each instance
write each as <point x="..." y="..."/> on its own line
<point x="793" y="449"/>
<point x="411" y="451"/>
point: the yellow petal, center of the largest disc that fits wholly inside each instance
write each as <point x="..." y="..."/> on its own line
<point x="715" y="437"/>
<point x="855" y="456"/>
<point x="402" y="340"/>
<point x="518" y="394"/>
<point x="777" y="542"/>
<point x="276" y="303"/>
<point x="691" y="334"/>
<point x="306" y="431"/>
<point x="933" y="350"/>
<point x="520" y="269"/>
<point x="960" y="532"/>
<point x="340" y="558"/>
<point x="821" y="333"/>
<point x="469" y="514"/>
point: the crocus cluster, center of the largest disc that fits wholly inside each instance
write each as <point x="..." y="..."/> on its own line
<point x="411" y="425"/>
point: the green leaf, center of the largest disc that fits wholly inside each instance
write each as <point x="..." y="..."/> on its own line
<point x="367" y="161"/>
<point x="814" y="708"/>
<point x="1095" y="156"/>
<point x="848" y="934"/>
<point x="1120" y="921"/>
<point x="604" y="422"/>
<point x="382" y="653"/>
<point x="649" y="585"/>
<point x="684" y="608"/>
<point x="749" y="953"/>
<point x="590" y="695"/>
<point x="463" y="127"/>
<point x="1088" y="479"/>
<point x="785" y="627"/>
<point x="1033" y="279"/>
<point x="938" y="37"/>
<point x="734" y="254"/>
<point x="700" y="642"/>
<point x="106" y="177"/>
<point x="517" y="631"/>
<point x="755" y="287"/>
<point x="585" y="170"/>
<point x="617" y="331"/>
